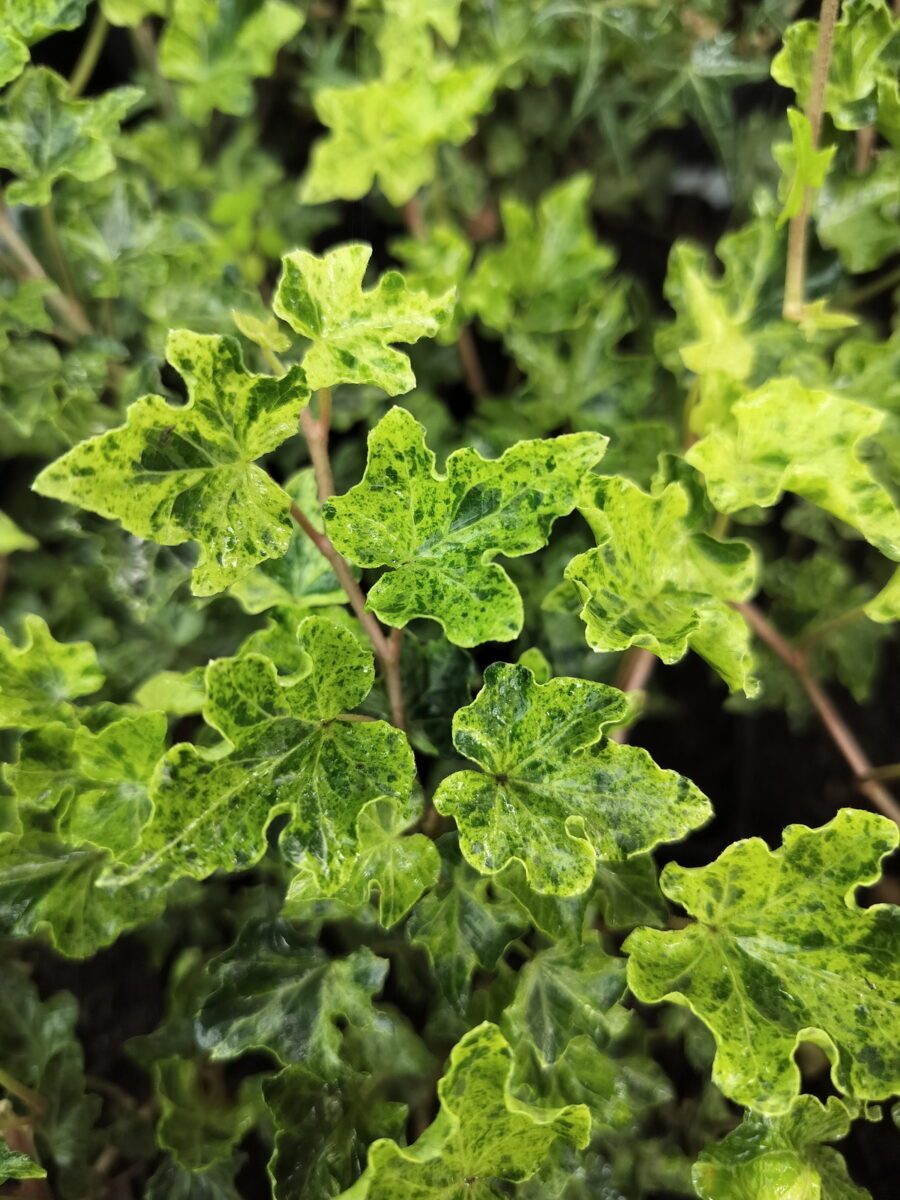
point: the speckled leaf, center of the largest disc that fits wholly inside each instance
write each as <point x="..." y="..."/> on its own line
<point x="565" y="992"/>
<point x="39" y="678"/>
<point x="481" y="1135"/>
<point x="781" y="953"/>
<point x="803" y="166"/>
<point x="289" y="755"/>
<point x="45" y="135"/>
<point x="439" y="533"/>
<point x="275" y="990"/>
<point x="784" y="1156"/>
<point x="659" y="581"/>
<point x="393" y="867"/>
<point x="462" y="925"/>
<point x="302" y="578"/>
<point x="12" y="538"/>
<point x="352" y="330"/>
<point x="215" y="50"/>
<point x="555" y="794"/>
<point x="14" y="1165"/>
<point x="188" y="473"/>
<point x="787" y="437"/>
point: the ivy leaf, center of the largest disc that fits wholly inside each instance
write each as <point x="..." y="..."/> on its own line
<point x="803" y="167"/>
<point x="545" y="278"/>
<point x="786" y="437"/>
<point x="14" y="1165"/>
<point x="781" y="1156"/>
<point x="857" y="215"/>
<point x="132" y="12"/>
<point x="461" y="925"/>
<point x="658" y="581"/>
<point x="22" y="307"/>
<point x="276" y="991"/>
<point x="290" y="754"/>
<point x="12" y="538"/>
<point x="39" y="678"/>
<point x="628" y="893"/>
<point x="175" y="692"/>
<point x="351" y="330"/>
<point x="215" y="51"/>
<point x="389" y="130"/>
<point x="561" y="918"/>
<point x="563" y="993"/>
<point x="437" y="263"/>
<point x="197" y="1128"/>
<point x="397" y="869"/>
<point x="173" y="1182"/>
<point x="439" y="533"/>
<point x="554" y="793"/>
<point x="779" y="954"/>
<point x="481" y="1134"/>
<point x="45" y="135"/>
<point x="178" y="474"/>
<point x="26" y="22"/>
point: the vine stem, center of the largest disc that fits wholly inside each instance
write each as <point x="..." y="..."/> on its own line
<point x="838" y="730"/>
<point x="633" y="674"/>
<point x="875" y="288"/>
<point x="798" y="229"/>
<point x="90" y="53"/>
<point x="27" y="1095"/>
<point x="68" y="309"/>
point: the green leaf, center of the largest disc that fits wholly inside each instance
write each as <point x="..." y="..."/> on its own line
<point x="351" y="330"/>
<point x="12" y="538"/>
<point x="781" y="1156"/>
<point x="628" y="893"/>
<point x="276" y="991"/>
<point x="857" y="215"/>
<point x="216" y="50"/>
<point x="45" y="135"/>
<point x="555" y="794"/>
<point x="561" y="918"/>
<point x="18" y="1166"/>
<point x="436" y="263"/>
<point x="178" y="474"/>
<point x="481" y="1134"/>
<point x="289" y="754"/>
<point x="546" y="276"/>
<point x="132" y="12"/>
<point x="780" y="953"/>
<point x="439" y="533"/>
<point x="659" y="581"/>
<point x="803" y="167"/>
<point x="563" y="993"/>
<point x="22" y="307"/>
<point x="786" y="437"/>
<point x="39" y="678"/>
<point x="28" y="21"/>
<point x="462" y="925"/>
<point x="180" y="694"/>
<point x="197" y="1127"/>
<point x="394" y="868"/>
<point x="172" y="1182"/>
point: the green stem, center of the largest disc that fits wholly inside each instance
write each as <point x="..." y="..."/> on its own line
<point x="720" y="525"/>
<point x="30" y="1098"/>
<point x="90" y="53"/>
<point x="817" y="632"/>
<point x="143" y="44"/>
<point x="875" y="288"/>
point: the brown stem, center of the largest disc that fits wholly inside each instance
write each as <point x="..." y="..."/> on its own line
<point x="393" y="680"/>
<point x="316" y="434"/>
<point x="834" y="723"/>
<point x="865" y="147"/>
<point x="798" y="230"/>
<point x="633" y="674"/>
<point x="414" y="217"/>
<point x="67" y="308"/>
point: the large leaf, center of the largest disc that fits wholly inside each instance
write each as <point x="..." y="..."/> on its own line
<point x="351" y="330"/>
<point x="45" y="135"/>
<point x="39" y="678"/>
<point x="780" y="953"/>
<point x="781" y="1156"/>
<point x="481" y="1135"/>
<point x="555" y="794"/>
<point x="290" y="753"/>
<point x="659" y="581"/>
<point x="178" y="474"/>
<point x="439" y="533"/>
<point x="786" y="437"/>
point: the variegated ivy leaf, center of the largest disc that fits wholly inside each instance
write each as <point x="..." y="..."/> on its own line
<point x="12" y="538"/>
<point x="437" y="263"/>
<point x="28" y="21"/>
<point x="544" y="279"/>
<point x="803" y="167"/>
<point x="781" y="1156"/>
<point x="780" y="953"/>
<point x="174" y="474"/>
<point x="275" y="990"/>
<point x="351" y="330"/>
<point x="39" y="678"/>
<point x="554" y="793"/>
<point x="216" y="50"/>
<point x="290" y="753"/>
<point x="439" y="533"/>
<point x="885" y="606"/>
<point x="659" y="581"/>
<point x="404" y="35"/>
<point x="389" y="129"/>
<point x="301" y="578"/>
<point x="175" y="692"/>
<point x="565" y="992"/>
<point x="14" y="1165"/>
<point x="388" y="864"/>
<point x="786" y="437"/>
<point x="45" y="135"/>
<point x="481" y="1135"/>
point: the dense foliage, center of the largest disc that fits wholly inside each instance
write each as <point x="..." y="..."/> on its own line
<point x="391" y="392"/>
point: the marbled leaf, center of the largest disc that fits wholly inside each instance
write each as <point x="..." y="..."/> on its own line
<point x="40" y="678"/>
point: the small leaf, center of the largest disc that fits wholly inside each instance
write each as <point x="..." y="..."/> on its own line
<point x="197" y="1128"/>
<point x="628" y="893"/>
<point x="857" y="214"/>
<point x="18" y="1166"/>
<point x="39" y="679"/>
<point x="554" y="793"/>
<point x="439" y="533"/>
<point x="12" y="538"/>
<point x="803" y="167"/>
<point x="351" y="330"/>
<point x="178" y="474"/>
<point x="780" y="953"/>
<point x="172" y="1182"/>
